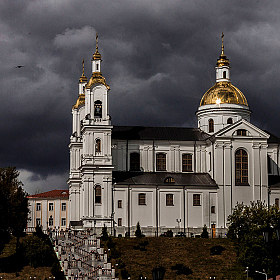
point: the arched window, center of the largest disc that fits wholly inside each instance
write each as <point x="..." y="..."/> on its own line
<point x="161" y="162"/>
<point x="134" y="162"/>
<point x="169" y="180"/>
<point x="97" y="194"/>
<point x="98" y="109"/>
<point x="98" y="146"/>
<point x="186" y="162"/>
<point x="224" y="75"/>
<point x="210" y="125"/>
<point x="229" y="121"/>
<point x="241" y="168"/>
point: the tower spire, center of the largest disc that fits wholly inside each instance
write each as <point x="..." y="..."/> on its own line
<point x="222" y="42"/>
<point x="96" y="55"/>
<point x="83" y="78"/>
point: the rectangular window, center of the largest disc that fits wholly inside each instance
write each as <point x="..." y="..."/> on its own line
<point x="63" y="206"/>
<point x="63" y="222"/>
<point x="161" y="162"/>
<point x="196" y="200"/>
<point x="187" y="163"/>
<point x="38" y="206"/>
<point x="141" y="199"/>
<point x="98" y="194"/>
<point x="119" y="203"/>
<point x="119" y="222"/>
<point x="50" y="206"/>
<point x="213" y="210"/>
<point x="51" y="221"/>
<point x="38" y="221"/>
<point x="169" y="199"/>
<point x="277" y="202"/>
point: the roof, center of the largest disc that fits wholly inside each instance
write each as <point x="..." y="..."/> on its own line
<point x="52" y="194"/>
<point x="158" y="133"/>
<point x="158" y="178"/>
<point x="274" y="181"/>
<point x="273" y="138"/>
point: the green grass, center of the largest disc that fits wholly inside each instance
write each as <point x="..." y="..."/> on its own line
<point x="167" y="252"/>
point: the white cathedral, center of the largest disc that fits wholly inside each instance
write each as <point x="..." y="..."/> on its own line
<point x="168" y="177"/>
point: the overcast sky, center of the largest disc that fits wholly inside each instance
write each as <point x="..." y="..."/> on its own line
<point x="158" y="58"/>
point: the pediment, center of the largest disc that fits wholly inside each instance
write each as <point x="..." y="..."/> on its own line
<point x="241" y="129"/>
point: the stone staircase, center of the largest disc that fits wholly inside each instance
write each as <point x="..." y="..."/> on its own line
<point x="81" y="256"/>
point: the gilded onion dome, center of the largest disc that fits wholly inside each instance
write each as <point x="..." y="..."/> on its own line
<point x="223" y="92"/>
<point x="97" y="78"/>
<point x="80" y="101"/>
<point x="96" y="55"/>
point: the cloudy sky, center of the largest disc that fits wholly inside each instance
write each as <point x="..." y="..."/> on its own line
<point x="158" y="58"/>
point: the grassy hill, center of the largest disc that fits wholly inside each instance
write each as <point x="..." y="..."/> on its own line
<point x="167" y="252"/>
<point x="141" y="255"/>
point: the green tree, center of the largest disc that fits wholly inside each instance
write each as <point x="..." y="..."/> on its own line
<point x="246" y="226"/>
<point x="13" y="206"/>
<point x="138" y="232"/>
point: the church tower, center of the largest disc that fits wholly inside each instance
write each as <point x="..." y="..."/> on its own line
<point x="90" y="180"/>
<point x="222" y="104"/>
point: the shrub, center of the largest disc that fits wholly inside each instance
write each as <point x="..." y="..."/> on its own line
<point x="204" y="233"/>
<point x="181" y="269"/>
<point x="169" y="233"/>
<point x="104" y="233"/>
<point x="37" y="252"/>
<point x="217" y="250"/>
<point x="138" y="232"/>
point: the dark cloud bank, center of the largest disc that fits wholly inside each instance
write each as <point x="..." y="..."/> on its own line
<point x="158" y="58"/>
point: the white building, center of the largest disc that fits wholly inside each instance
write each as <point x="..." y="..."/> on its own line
<point x="49" y="210"/>
<point x="168" y="177"/>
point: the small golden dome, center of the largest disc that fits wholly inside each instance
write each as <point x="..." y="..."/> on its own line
<point x="223" y="92"/>
<point x="80" y="101"/>
<point x="97" y="78"/>
<point x="96" y="55"/>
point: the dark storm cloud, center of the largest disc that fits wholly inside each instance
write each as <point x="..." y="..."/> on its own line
<point x="158" y="58"/>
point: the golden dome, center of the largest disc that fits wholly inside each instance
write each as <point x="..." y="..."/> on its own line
<point x="223" y="92"/>
<point x="96" y="55"/>
<point x="80" y="101"/>
<point x="97" y="78"/>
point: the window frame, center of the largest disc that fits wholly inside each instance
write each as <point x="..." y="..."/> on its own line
<point x="187" y="163"/>
<point x="98" y="194"/>
<point x="160" y="161"/>
<point x="210" y="125"/>
<point x="98" y="105"/>
<point x="169" y="199"/>
<point x="229" y="121"/>
<point x="38" y="206"/>
<point x="63" y="206"/>
<point x="51" y="206"/>
<point x="241" y="132"/>
<point x="142" y="199"/>
<point x="276" y="202"/>
<point x="119" y="222"/>
<point x="134" y="161"/>
<point x="38" y="221"/>
<point x="63" y="222"/>
<point x="98" y="145"/>
<point x="241" y="168"/>
<point x="50" y="219"/>
<point x="119" y="203"/>
<point x="196" y="199"/>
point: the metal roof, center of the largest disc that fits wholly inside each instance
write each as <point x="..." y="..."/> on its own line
<point x="158" y="133"/>
<point x="273" y="138"/>
<point x="51" y="194"/>
<point x="159" y="178"/>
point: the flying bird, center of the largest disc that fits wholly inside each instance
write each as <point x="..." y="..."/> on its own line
<point x="19" y="66"/>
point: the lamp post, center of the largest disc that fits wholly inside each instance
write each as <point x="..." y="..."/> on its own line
<point x="262" y="273"/>
<point x="158" y="273"/>
<point x="247" y="272"/>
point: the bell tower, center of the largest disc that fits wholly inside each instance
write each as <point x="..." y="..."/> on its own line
<point x="94" y="161"/>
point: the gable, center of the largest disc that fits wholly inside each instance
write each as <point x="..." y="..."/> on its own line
<point x="242" y="129"/>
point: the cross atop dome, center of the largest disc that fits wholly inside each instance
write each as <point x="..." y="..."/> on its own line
<point x="96" y="55"/>
<point x="222" y="61"/>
